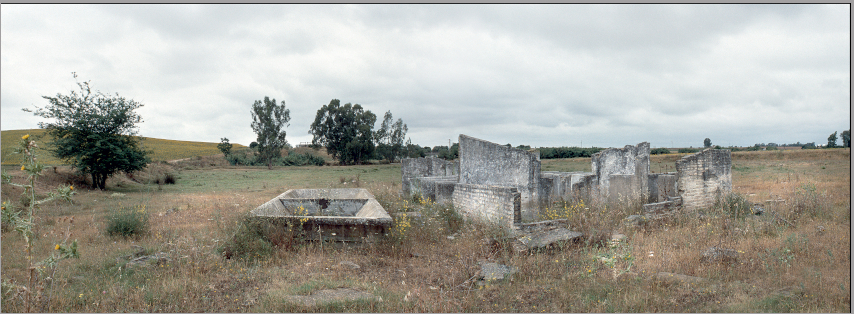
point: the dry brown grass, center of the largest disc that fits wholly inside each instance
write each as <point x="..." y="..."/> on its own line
<point x="803" y="268"/>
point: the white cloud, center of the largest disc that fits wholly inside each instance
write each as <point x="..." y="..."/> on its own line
<point x="542" y="75"/>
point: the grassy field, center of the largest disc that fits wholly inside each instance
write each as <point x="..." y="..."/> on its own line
<point x="162" y="149"/>
<point x="800" y="265"/>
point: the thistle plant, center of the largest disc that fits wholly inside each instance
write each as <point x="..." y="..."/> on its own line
<point x="24" y="225"/>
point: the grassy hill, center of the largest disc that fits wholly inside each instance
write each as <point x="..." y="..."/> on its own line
<point x="163" y="149"/>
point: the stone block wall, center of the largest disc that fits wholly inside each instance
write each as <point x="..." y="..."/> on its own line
<point x="630" y="161"/>
<point x="496" y="204"/>
<point x="704" y="176"/>
<point x="661" y="186"/>
<point x="487" y="163"/>
<point x="425" y="167"/>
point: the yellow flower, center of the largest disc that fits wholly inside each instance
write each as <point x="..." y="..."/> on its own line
<point x="22" y="167"/>
<point x="57" y="247"/>
<point x="25" y="137"/>
<point x="72" y="188"/>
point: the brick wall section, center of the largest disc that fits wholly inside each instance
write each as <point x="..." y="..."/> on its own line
<point x="630" y="160"/>
<point x="424" y="167"/>
<point x="703" y="176"/>
<point x="486" y="203"/>
<point x="487" y="163"/>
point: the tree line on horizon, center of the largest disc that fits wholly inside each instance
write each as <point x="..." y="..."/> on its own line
<point x="96" y="134"/>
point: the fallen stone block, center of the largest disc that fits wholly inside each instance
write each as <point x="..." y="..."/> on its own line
<point x="149" y="260"/>
<point x="677" y="278"/>
<point x="331" y="295"/>
<point x="491" y="272"/>
<point x="719" y="255"/>
<point x="545" y="238"/>
<point x="542" y="226"/>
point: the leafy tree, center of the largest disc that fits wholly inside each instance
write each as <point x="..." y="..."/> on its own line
<point x="346" y="131"/>
<point x="414" y="150"/>
<point x="831" y="140"/>
<point x="810" y="145"/>
<point x="224" y="146"/>
<point x="253" y="145"/>
<point x="390" y="138"/>
<point x="95" y="133"/>
<point x="846" y="138"/>
<point x="268" y="122"/>
<point x="707" y="143"/>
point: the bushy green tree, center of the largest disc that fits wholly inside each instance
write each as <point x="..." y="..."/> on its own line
<point x="846" y="138"/>
<point x="225" y="147"/>
<point x="94" y="133"/>
<point x="707" y="143"/>
<point x="269" y="121"/>
<point x="390" y="138"/>
<point x="414" y="150"/>
<point x="831" y="141"/>
<point x="346" y="131"/>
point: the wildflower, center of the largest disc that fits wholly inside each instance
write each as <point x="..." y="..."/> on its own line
<point x="25" y="137"/>
<point x="71" y="187"/>
<point x="57" y="247"/>
<point x="22" y="167"/>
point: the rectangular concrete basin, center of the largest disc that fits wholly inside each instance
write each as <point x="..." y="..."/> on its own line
<point x="328" y="214"/>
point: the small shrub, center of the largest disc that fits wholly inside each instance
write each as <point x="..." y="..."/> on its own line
<point x="250" y="240"/>
<point x="169" y="179"/>
<point x="128" y="222"/>
<point x="453" y="219"/>
<point x="658" y="151"/>
<point x="688" y="150"/>
<point x="734" y="205"/>
<point x="807" y="201"/>
<point x="302" y="160"/>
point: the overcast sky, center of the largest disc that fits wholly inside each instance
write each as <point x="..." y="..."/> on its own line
<point x="541" y="75"/>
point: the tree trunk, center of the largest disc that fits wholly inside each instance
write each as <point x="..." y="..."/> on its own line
<point x="99" y="181"/>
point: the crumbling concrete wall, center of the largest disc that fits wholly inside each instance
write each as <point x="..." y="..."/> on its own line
<point x="627" y="167"/>
<point x="488" y="163"/>
<point x="704" y="176"/>
<point x="553" y="186"/>
<point x="425" y="167"/>
<point x="437" y="189"/>
<point x="661" y="186"/>
<point x="496" y="204"/>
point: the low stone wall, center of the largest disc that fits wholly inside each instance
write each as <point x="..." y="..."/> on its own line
<point x="661" y="186"/>
<point x="553" y="186"/>
<point x="436" y="189"/>
<point x="425" y="167"/>
<point x="583" y="185"/>
<point x="703" y="177"/>
<point x="494" y="204"/>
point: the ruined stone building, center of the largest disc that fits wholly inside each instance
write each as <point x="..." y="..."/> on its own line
<point x="505" y="185"/>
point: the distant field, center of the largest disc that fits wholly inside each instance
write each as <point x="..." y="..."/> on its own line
<point x="163" y="149"/>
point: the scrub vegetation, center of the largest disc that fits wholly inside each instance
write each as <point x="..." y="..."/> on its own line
<point x="795" y="259"/>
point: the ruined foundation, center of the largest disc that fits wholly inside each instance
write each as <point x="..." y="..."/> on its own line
<point x="351" y="215"/>
<point x="501" y="184"/>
